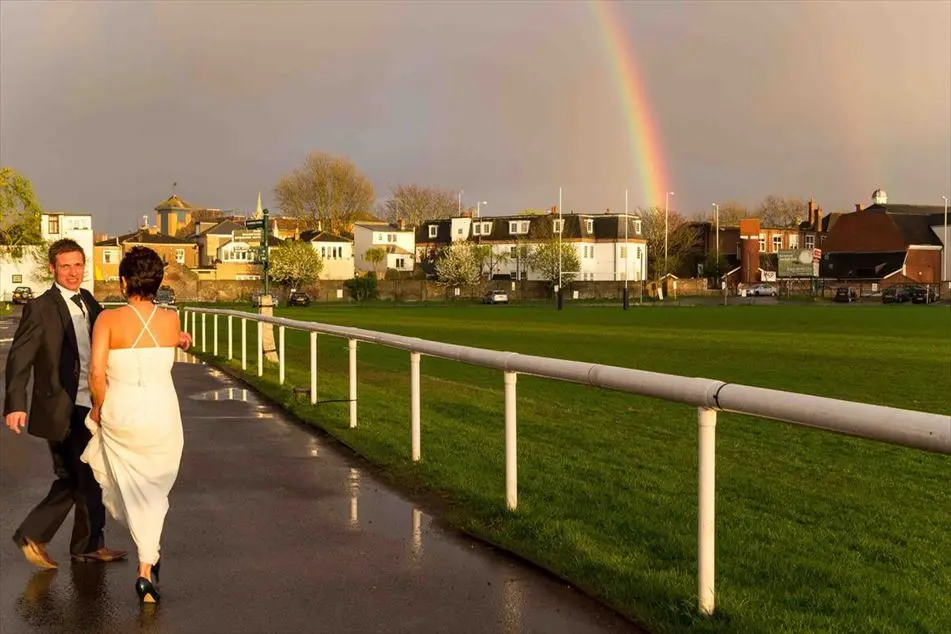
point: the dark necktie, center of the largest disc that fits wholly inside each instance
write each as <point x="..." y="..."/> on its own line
<point x="77" y="299"/>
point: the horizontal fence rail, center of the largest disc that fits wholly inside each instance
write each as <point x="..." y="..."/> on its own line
<point x="918" y="430"/>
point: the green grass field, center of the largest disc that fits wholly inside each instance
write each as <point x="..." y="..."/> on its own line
<point x="816" y="532"/>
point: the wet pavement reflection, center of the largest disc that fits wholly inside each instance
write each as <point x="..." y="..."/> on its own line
<point x="273" y="528"/>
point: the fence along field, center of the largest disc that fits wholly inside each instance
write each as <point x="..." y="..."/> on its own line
<point x="610" y="500"/>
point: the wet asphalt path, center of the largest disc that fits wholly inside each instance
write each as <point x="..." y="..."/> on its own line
<point x="272" y="528"/>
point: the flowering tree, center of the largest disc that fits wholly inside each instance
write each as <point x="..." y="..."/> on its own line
<point x="295" y="264"/>
<point x="459" y="265"/>
<point x="544" y="260"/>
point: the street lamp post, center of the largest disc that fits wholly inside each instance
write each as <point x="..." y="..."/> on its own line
<point x="479" y="208"/>
<point x="666" y="215"/>
<point x="944" y="247"/>
<point x="561" y="223"/>
<point x="460" y="203"/>
<point x="717" y="209"/>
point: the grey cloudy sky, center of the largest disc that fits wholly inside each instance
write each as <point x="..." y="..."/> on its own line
<point x="104" y="105"/>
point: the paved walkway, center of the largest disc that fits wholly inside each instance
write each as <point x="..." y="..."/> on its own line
<point x="273" y="529"/>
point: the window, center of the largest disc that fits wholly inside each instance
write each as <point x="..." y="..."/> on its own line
<point x="637" y="227"/>
<point x="624" y="253"/>
<point x="481" y="228"/>
<point x="518" y="227"/>
<point x="640" y="253"/>
<point x="401" y="263"/>
<point x="77" y="224"/>
<point x="18" y="278"/>
<point x="459" y="231"/>
<point x="378" y="237"/>
<point x="589" y="225"/>
<point x="762" y="242"/>
<point x="391" y="237"/>
<point x="513" y="252"/>
<point x="777" y="242"/>
<point x="433" y="230"/>
<point x="107" y="256"/>
<point x="558" y="225"/>
<point x="810" y="241"/>
<point x="53" y="225"/>
<point x="180" y="256"/>
<point x="793" y="240"/>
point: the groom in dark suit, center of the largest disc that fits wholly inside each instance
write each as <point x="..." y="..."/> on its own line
<point x="53" y="341"/>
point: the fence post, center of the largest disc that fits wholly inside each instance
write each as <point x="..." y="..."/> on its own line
<point x="194" y="327"/>
<point x="313" y="368"/>
<point x="706" y="527"/>
<point x="230" y="347"/>
<point x="353" y="382"/>
<point x="214" y="334"/>
<point x="204" y="334"/>
<point x="244" y="343"/>
<point x="280" y="355"/>
<point x="260" y="348"/>
<point x="414" y="404"/>
<point x="511" y="462"/>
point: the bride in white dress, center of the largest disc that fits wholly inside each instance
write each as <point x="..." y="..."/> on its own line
<point x="137" y="440"/>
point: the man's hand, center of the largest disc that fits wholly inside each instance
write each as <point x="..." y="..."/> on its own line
<point x="16" y="420"/>
<point x="184" y="340"/>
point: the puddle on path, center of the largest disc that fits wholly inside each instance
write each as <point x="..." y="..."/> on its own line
<point x="239" y="394"/>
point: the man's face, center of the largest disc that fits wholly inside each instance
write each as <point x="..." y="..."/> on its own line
<point x="69" y="269"/>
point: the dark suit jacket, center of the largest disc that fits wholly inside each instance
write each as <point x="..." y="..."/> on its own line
<point x="45" y="342"/>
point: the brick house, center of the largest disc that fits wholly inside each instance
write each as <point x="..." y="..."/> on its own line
<point x="108" y="253"/>
<point x="885" y="241"/>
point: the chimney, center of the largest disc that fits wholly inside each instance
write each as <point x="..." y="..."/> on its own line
<point x="858" y="207"/>
<point x="819" y="219"/>
<point x="402" y="225"/>
<point x="607" y="212"/>
<point x="812" y="211"/>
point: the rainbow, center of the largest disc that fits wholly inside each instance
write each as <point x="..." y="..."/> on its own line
<point x="645" y="149"/>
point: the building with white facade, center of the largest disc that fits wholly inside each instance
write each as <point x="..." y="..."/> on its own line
<point x="335" y="251"/>
<point x="397" y="242"/>
<point x="32" y="269"/>
<point x="610" y="247"/>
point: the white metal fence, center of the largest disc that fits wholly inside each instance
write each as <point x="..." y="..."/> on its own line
<point x="920" y="430"/>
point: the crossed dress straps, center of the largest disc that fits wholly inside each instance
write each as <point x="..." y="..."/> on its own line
<point x="145" y="326"/>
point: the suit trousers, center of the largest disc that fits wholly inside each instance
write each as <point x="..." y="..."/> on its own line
<point x="75" y="485"/>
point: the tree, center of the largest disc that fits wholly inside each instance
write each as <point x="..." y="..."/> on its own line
<point x="375" y="256"/>
<point x="731" y="212"/>
<point x="680" y="240"/>
<point x="489" y="260"/>
<point x="20" y="213"/>
<point x="458" y="265"/>
<point x="776" y="211"/>
<point x="545" y="261"/>
<point x="417" y="205"/>
<point x="327" y="189"/>
<point x="295" y="264"/>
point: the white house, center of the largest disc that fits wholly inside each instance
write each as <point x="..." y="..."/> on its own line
<point x="398" y="242"/>
<point x="610" y="247"/>
<point x="29" y="270"/>
<point x="336" y="253"/>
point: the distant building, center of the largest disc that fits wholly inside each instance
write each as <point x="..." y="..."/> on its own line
<point x="335" y="251"/>
<point x="396" y="240"/>
<point x="30" y="270"/>
<point x="108" y="253"/>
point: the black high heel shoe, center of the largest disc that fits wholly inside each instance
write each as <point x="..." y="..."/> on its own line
<point x="146" y="591"/>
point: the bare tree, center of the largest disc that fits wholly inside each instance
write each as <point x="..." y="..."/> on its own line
<point x="776" y="211"/>
<point x="681" y="237"/>
<point x="329" y="189"/>
<point x="416" y="204"/>
<point x="731" y="212"/>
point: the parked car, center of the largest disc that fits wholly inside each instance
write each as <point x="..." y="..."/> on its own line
<point x="256" y="300"/>
<point x="896" y="295"/>
<point x="763" y="289"/>
<point x="22" y="295"/>
<point x="845" y="295"/>
<point x="923" y="295"/>
<point x="164" y="297"/>
<point x="496" y="297"/>
<point x="298" y="298"/>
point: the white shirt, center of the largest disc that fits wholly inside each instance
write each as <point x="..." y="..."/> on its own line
<point x="81" y="326"/>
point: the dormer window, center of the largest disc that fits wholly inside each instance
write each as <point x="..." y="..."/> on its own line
<point x="637" y="227"/>
<point x="589" y="225"/>
<point x="518" y="227"/>
<point x="558" y="225"/>
<point x="433" y="231"/>
<point x="481" y="228"/>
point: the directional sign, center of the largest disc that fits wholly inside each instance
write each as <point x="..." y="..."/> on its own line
<point x="254" y="224"/>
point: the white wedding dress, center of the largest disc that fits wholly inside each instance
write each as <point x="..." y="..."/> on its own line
<point x="136" y="448"/>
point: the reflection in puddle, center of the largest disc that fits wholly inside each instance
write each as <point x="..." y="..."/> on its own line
<point x="227" y="394"/>
<point x="511" y="606"/>
<point x="417" y="541"/>
<point x="354" y="492"/>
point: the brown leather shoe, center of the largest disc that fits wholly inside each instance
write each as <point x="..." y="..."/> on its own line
<point x="36" y="554"/>
<point x="103" y="555"/>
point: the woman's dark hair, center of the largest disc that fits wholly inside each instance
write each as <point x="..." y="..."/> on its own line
<point x="143" y="271"/>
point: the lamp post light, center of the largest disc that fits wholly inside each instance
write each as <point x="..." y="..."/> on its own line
<point x="479" y="208"/>
<point x="666" y="216"/>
